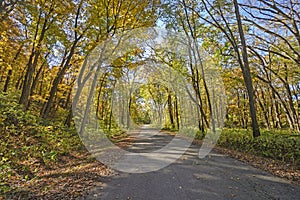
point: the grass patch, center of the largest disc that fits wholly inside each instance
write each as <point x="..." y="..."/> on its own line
<point x="276" y="144"/>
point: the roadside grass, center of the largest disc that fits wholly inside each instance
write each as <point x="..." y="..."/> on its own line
<point x="282" y="145"/>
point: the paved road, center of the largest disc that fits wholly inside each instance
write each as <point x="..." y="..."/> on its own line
<point x="190" y="178"/>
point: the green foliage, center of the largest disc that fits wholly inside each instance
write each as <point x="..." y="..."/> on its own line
<point x="280" y="145"/>
<point x="27" y="140"/>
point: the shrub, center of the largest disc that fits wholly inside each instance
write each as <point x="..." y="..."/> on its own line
<point x="26" y="138"/>
<point x="276" y="144"/>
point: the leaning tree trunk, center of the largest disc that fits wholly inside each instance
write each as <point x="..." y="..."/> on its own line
<point x="247" y="74"/>
<point x="65" y="64"/>
<point x="46" y="108"/>
<point x="33" y="59"/>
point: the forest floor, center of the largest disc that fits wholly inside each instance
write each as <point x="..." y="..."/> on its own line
<point x="66" y="178"/>
<point x="78" y="175"/>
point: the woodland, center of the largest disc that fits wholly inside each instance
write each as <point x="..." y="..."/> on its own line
<point x="254" y="47"/>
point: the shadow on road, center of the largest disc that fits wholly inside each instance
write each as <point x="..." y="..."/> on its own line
<point x="211" y="178"/>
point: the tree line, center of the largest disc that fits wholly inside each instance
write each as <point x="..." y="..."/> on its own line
<point x="254" y="44"/>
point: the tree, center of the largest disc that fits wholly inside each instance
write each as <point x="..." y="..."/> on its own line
<point x="246" y="73"/>
<point x="65" y="61"/>
<point x="215" y="10"/>
<point x="43" y="17"/>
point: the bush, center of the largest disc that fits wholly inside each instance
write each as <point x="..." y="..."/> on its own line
<point x="26" y="139"/>
<point x="276" y="144"/>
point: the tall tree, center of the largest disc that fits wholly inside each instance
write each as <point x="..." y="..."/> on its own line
<point x="43" y="22"/>
<point x="246" y="73"/>
<point x="69" y="53"/>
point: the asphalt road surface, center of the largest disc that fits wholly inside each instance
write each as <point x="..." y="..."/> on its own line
<point x="190" y="178"/>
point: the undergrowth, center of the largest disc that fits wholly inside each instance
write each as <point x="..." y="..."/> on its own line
<point x="282" y="145"/>
<point x="27" y="142"/>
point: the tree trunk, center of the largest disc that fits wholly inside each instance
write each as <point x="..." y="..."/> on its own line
<point x="33" y="61"/>
<point x="9" y="74"/>
<point x="36" y="78"/>
<point x="170" y="109"/>
<point x="69" y="118"/>
<point x="7" y="80"/>
<point x="128" y="112"/>
<point x="47" y="106"/>
<point x="264" y="109"/>
<point x="99" y="95"/>
<point x="24" y="99"/>
<point x="65" y="64"/>
<point x="247" y="74"/>
<point x="277" y="114"/>
<point x="177" y="112"/>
